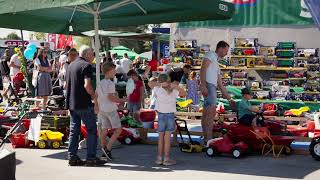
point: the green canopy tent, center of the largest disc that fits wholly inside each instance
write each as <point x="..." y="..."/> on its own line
<point x="130" y="35"/>
<point x="76" y="16"/>
<point x="120" y="50"/>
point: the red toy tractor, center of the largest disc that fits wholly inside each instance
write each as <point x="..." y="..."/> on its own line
<point x="260" y="139"/>
<point x="314" y="147"/>
<point x="128" y="136"/>
<point x="225" y="145"/>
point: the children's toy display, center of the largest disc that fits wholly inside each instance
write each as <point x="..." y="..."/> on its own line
<point x="297" y="112"/>
<point x="49" y="139"/>
<point x="128" y="135"/>
<point x="191" y="146"/>
<point x="128" y="121"/>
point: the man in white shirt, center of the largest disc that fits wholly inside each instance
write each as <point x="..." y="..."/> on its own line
<point x="126" y="63"/>
<point x="14" y="65"/>
<point x="210" y="80"/>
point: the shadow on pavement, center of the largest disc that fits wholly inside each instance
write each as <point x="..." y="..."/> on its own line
<point x="141" y="158"/>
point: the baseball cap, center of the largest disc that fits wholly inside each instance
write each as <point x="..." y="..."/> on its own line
<point x="246" y="91"/>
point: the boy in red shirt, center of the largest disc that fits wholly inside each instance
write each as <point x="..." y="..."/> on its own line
<point x="136" y="98"/>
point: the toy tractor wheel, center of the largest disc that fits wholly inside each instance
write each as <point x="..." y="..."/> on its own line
<point x="42" y="144"/>
<point x="315" y="149"/>
<point x="55" y="144"/>
<point x="128" y="140"/>
<point x="185" y="147"/>
<point x="236" y="153"/>
<point x="287" y="150"/>
<point x="211" y="152"/>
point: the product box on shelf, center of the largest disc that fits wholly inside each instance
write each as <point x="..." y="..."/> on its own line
<point x="240" y="75"/>
<point x="239" y="83"/>
<point x="313" y="68"/>
<point x="185" y="43"/>
<point x="267" y="51"/>
<point x="244" y="51"/>
<point x="279" y="75"/>
<point x="310" y="97"/>
<point x="301" y="74"/>
<point x="294" y="96"/>
<point x="237" y="61"/>
<point x="312" y="85"/>
<point x="297" y="82"/>
<point x="301" y="63"/>
<point x="261" y="95"/>
<point x="313" y="60"/>
<point x="307" y="52"/>
<point x="279" y="91"/>
<point x="245" y="42"/>
<point x="256" y="85"/>
<point x="311" y="75"/>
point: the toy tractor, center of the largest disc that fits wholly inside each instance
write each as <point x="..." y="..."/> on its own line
<point x="314" y="147"/>
<point x="225" y="145"/>
<point x="191" y="146"/>
<point x="49" y="139"/>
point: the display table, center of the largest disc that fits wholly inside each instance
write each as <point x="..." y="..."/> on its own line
<point x="314" y="106"/>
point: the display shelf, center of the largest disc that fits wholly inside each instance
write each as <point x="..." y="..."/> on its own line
<point x="245" y="56"/>
<point x="302" y="58"/>
<point x="304" y="78"/>
<point x="256" y="89"/>
<point x="278" y="79"/>
<point x="239" y="79"/>
<point x="285" y="50"/>
<point x="185" y="49"/>
<point x="239" y="47"/>
<point x="311" y="92"/>
<point x="265" y="68"/>
<point x="284" y="59"/>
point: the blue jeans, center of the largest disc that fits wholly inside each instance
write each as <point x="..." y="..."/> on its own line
<point x="211" y="99"/>
<point x="166" y="122"/>
<point x="89" y="119"/>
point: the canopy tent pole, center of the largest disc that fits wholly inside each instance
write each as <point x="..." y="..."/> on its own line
<point x="158" y="51"/>
<point x="97" y="44"/>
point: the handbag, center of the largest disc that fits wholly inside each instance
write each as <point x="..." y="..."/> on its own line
<point x="35" y="74"/>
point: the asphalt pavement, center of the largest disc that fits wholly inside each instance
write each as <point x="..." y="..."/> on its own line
<point x="136" y="162"/>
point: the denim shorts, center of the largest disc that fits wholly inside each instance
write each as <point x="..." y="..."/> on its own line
<point x="166" y="122"/>
<point x="134" y="107"/>
<point x="211" y="99"/>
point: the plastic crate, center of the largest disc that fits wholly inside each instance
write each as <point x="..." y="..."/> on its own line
<point x="286" y="45"/>
<point x="55" y="122"/>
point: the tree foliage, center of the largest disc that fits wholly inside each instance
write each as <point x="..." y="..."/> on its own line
<point x="40" y="36"/>
<point x="13" y="36"/>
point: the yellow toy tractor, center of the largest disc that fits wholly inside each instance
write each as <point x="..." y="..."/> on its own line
<point x="191" y="146"/>
<point x="49" y="139"/>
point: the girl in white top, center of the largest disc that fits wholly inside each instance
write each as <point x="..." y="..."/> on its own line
<point x="165" y="105"/>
